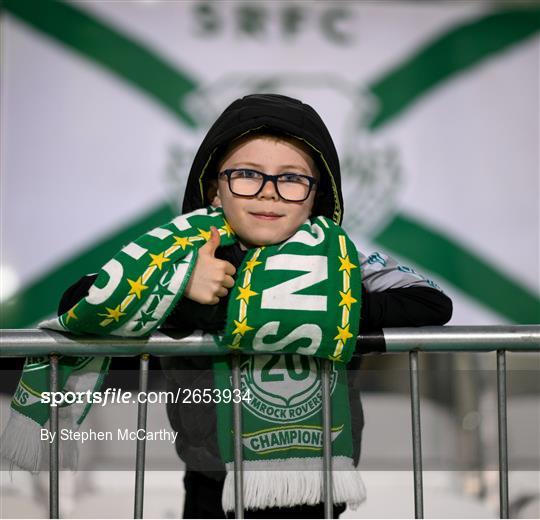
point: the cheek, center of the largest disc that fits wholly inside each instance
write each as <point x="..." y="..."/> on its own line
<point x="232" y="212"/>
<point x="306" y="211"/>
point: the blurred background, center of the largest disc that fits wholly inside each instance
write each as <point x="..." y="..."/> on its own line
<point x="434" y="108"/>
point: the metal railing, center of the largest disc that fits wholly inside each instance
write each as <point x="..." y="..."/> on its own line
<point x="34" y="342"/>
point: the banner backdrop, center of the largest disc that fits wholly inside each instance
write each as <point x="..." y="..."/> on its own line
<point x="434" y="108"/>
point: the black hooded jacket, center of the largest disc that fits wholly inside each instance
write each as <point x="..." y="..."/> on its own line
<point x="413" y="305"/>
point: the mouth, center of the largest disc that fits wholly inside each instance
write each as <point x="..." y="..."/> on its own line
<point x="265" y="215"/>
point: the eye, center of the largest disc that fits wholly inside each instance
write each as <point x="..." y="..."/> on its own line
<point x="293" y="178"/>
<point x="246" y="174"/>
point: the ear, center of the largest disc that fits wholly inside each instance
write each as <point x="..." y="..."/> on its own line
<point x="212" y="194"/>
<point x="216" y="201"/>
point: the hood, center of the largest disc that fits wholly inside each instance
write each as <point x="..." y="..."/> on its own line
<point x="279" y="114"/>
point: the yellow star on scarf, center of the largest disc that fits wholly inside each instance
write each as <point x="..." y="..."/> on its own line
<point x="227" y="229"/>
<point x="158" y="260"/>
<point x="204" y="234"/>
<point x="250" y="265"/>
<point x="343" y="333"/>
<point x="346" y="299"/>
<point x="245" y="293"/>
<point x="71" y="314"/>
<point x="241" y="327"/>
<point x="137" y="287"/>
<point x="114" y="314"/>
<point x="335" y="358"/>
<point x="346" y="264"/>
<point x="183" y="242"/>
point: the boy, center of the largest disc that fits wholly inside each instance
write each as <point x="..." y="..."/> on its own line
<point x="270" y="164"/>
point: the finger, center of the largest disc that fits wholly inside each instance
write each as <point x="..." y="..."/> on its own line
<point x="228" y="281"/>
<point x="213" y="242"/>
<point x="221" y="292"/>
<point x="229" y="268"/>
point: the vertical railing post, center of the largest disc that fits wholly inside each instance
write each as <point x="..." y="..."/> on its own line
<point x="238" y="452"/>
<point x="416" y="435"/>
<point x="327" y="439"/>
<point x="142" y="407"/>
<point x="53" y="446"/>
<point x="503" y="438"/>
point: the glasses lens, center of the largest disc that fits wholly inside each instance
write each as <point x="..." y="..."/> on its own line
<point x="293" y="187"/>
<point x="245" y="182"/>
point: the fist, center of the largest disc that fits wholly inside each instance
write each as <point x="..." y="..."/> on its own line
<point x="211" y="277"/>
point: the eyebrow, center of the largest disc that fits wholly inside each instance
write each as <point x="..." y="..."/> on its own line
<point x="282" y="167"/>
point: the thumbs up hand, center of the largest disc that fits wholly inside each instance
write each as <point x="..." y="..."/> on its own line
<point x="211" y="277"/>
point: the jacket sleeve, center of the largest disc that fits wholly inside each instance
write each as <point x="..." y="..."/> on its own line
<point x="394" y="295"/>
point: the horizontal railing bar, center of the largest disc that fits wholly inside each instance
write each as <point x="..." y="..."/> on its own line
<point x="40" y="342"/>
<point x="463" y="338"/>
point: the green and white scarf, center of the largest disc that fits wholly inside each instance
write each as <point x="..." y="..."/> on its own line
<point x="300" y="297"/>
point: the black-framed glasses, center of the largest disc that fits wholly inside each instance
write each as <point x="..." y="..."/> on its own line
<point x="292" y="187"/>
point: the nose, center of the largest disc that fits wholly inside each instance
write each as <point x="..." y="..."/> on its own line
<point x="268" y="191"/>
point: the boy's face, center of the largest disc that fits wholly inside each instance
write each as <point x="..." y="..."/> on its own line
<point x="265" y="218"/>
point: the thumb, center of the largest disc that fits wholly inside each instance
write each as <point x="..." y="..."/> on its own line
<point x="213" y="242"/>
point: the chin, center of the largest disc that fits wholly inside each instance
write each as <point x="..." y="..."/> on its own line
<point x="265" y="240"/>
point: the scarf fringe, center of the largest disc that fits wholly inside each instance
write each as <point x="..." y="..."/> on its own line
<point x="286" y="488"/>
<point x="21" y="444"/>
